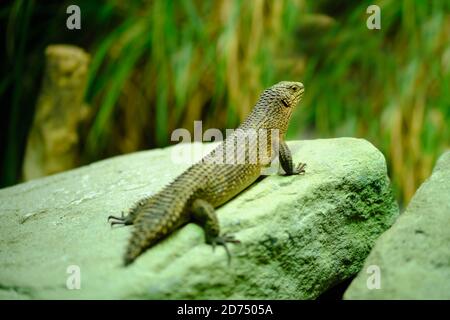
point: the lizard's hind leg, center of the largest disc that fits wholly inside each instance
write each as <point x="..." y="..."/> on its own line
<point x="204" y="213"/>
<point x="132" y="213"/>
<point x="122" y="220"/>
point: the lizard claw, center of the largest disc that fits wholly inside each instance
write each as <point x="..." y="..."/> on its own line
<point x="229" y="238"/>
<point x="222" y="241"/>
<point x="300" y="168"/>
<point x="121" y="218"/>
<point x="118" y="220"/>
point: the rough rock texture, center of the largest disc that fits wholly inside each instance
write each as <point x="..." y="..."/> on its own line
<point x="414" y="255"/>
<point x="300" y="234"/>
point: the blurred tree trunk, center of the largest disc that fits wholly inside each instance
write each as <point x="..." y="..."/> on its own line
<point x="53" y="142"/>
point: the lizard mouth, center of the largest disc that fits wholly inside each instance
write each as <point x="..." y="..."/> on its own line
<point x="297" y="97"/>
<point x="300" y="94"/>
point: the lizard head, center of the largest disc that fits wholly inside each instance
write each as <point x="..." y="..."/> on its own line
<point x="288" y="93"/>
<point x="277" y="103"/>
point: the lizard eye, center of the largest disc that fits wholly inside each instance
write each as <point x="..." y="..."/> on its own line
<point x="294" y="88"/>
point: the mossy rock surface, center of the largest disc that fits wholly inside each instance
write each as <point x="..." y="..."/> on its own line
<point x="300" y="235"/>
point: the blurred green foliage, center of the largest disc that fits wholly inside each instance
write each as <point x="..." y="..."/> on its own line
<point x="159" y="65"/>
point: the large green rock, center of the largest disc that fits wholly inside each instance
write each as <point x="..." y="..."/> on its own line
<point x="413" y="257"/>
<point x="300" y="234"/>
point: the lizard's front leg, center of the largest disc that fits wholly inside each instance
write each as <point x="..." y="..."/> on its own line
<point x="286" y="160"/>
<point x="203" y="212"/>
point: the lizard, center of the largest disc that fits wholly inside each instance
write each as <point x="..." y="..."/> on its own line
<point x="211" y="182"/>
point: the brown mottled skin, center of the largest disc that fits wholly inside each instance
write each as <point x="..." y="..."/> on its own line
<point x="209" y="183"/>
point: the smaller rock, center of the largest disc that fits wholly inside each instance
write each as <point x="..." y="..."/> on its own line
<point x="412" y="259"/>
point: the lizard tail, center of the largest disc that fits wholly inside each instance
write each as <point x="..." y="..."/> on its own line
<point x="149" y="228"/>
<point x="158" y="219"/>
